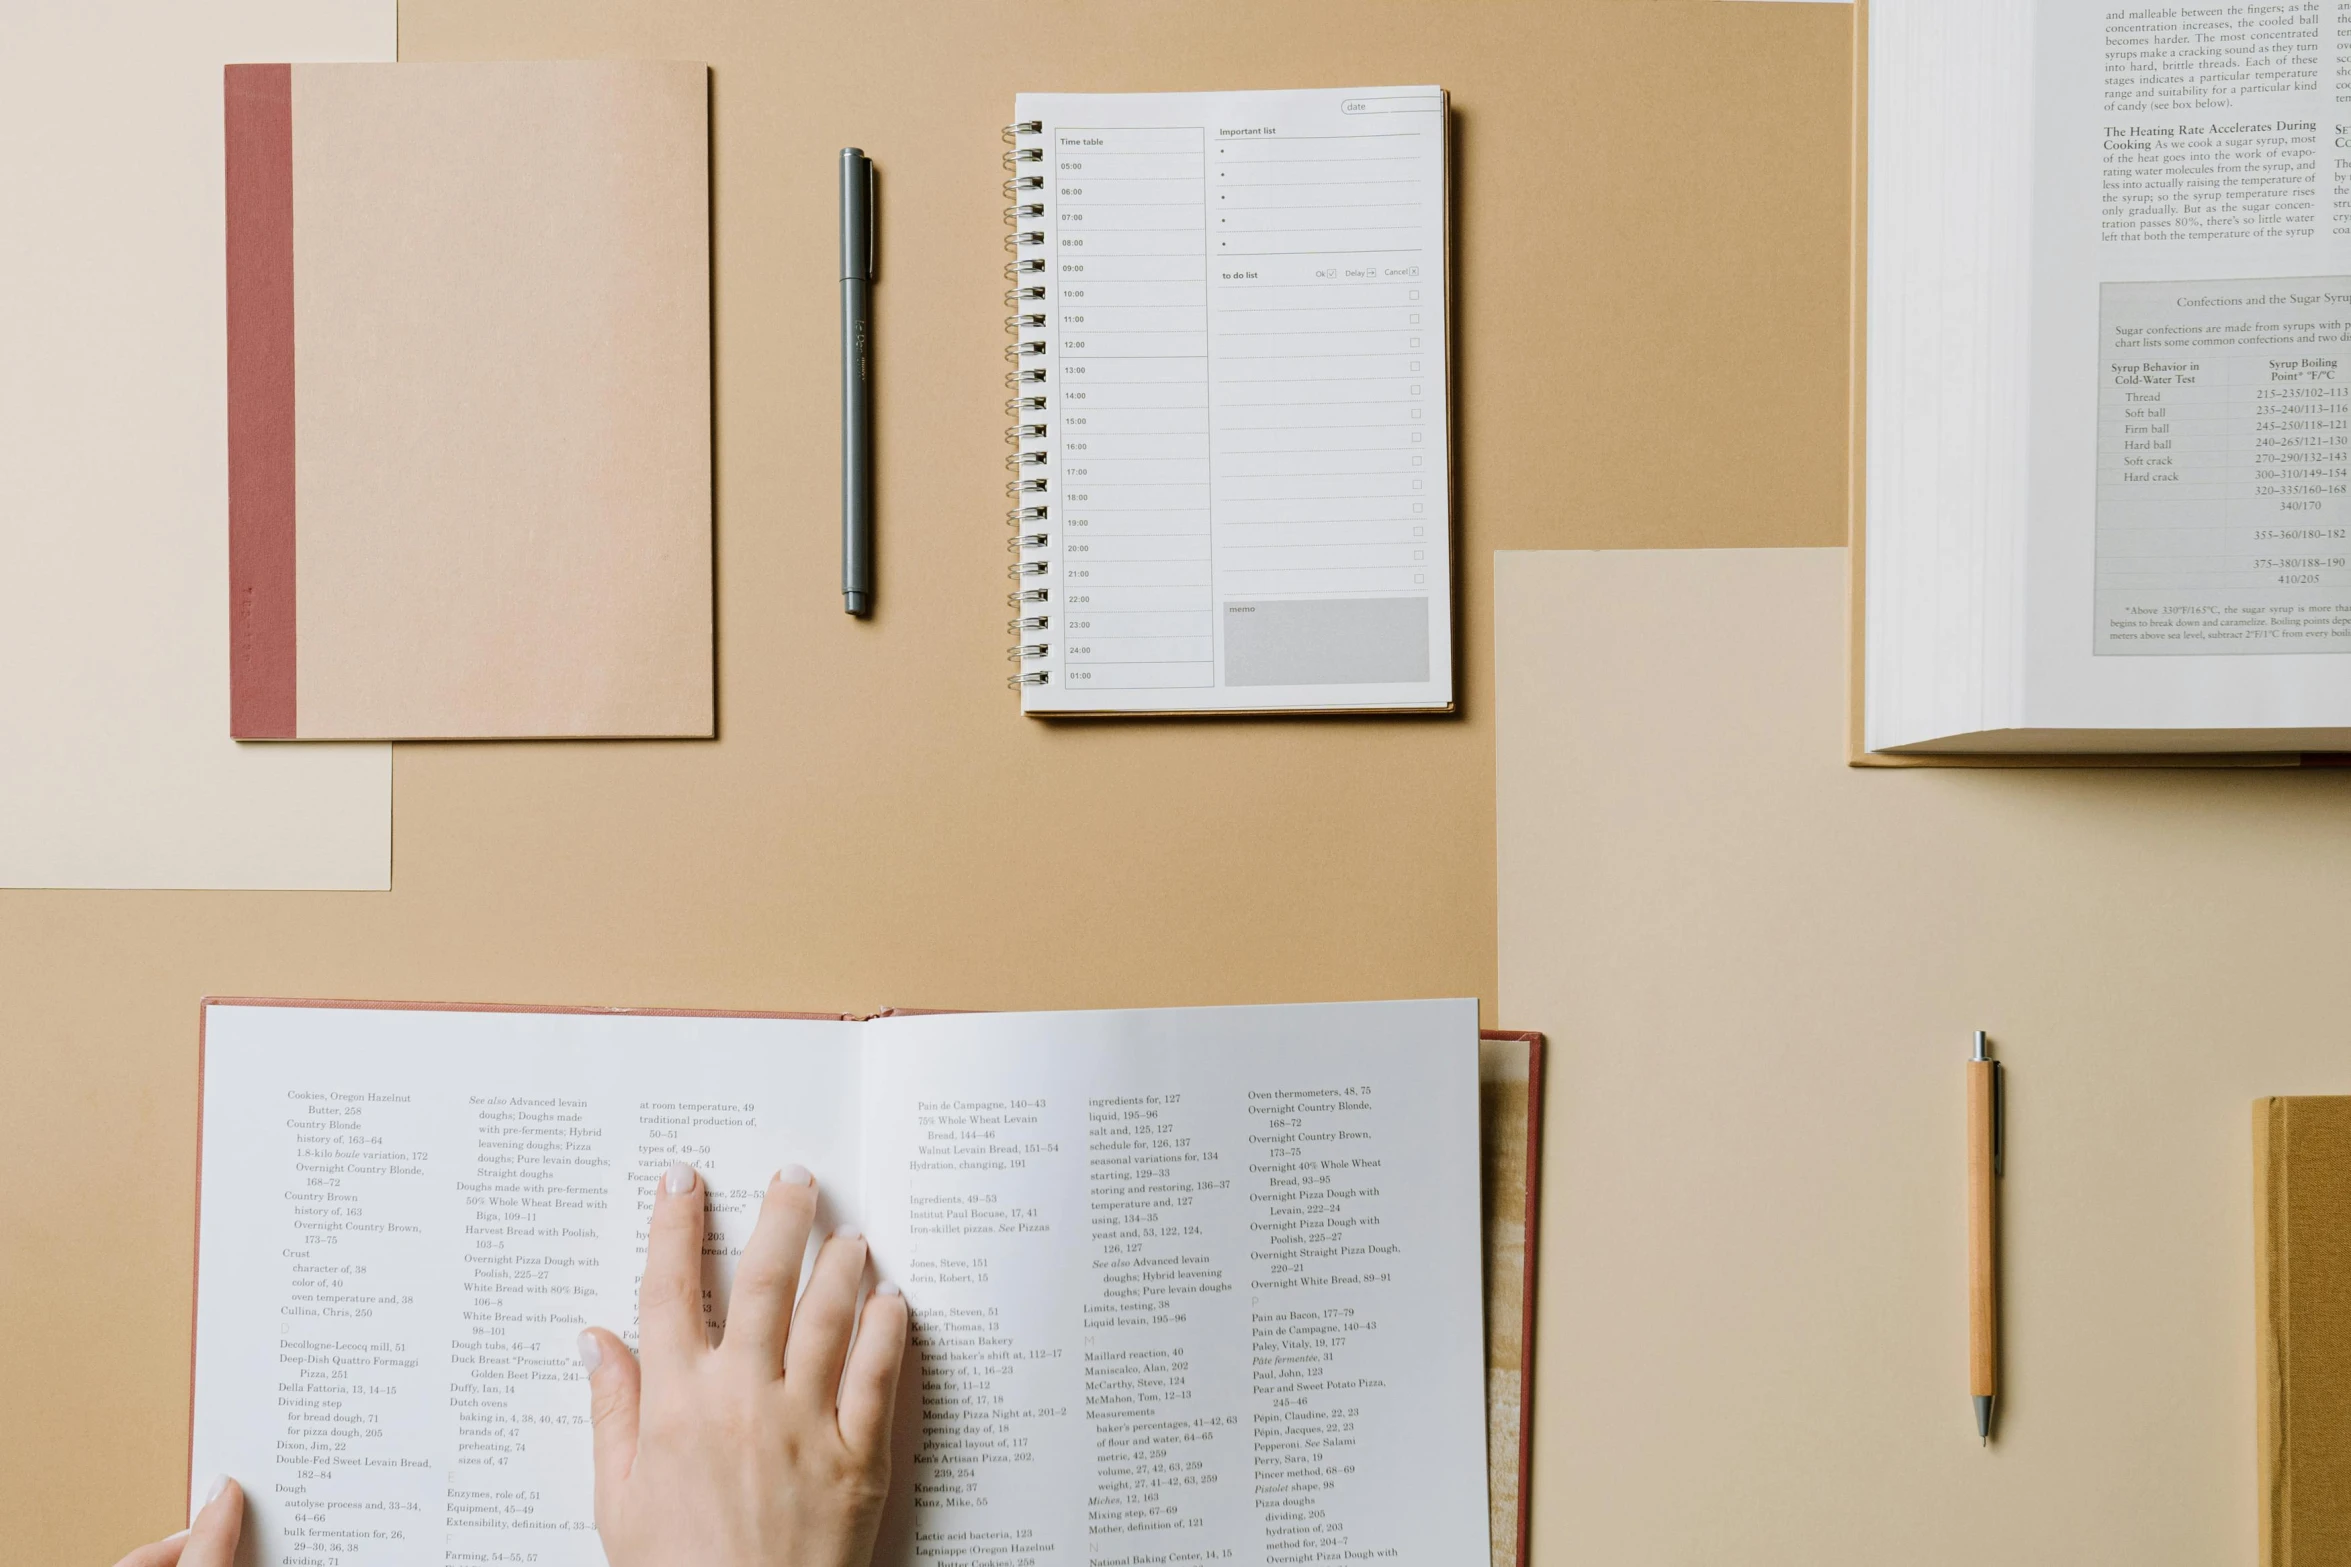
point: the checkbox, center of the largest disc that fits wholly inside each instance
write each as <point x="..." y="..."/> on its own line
<point x="1415" y="343"/>
<point x="1415" y="321"/>
<point x="1416" y="484"/>
<point x="1416" y="413"/>
<point x="1420" y="554"/>
<point x="1414" y="367"/>
<point x="1418" y="508"/>
<point x="1416" y="435"/>
<point x="1416" y="293"/>
<point x="1417" y="532"/>
<point x="1416" y="462"/>
<point x="1418" y="578"/>
<point x="1416" y="388"/>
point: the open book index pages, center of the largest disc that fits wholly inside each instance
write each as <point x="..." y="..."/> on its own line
<point x="407" y="1217"/>
<point x="1196" y="1284"/>
<point x="1193" y="1286"/>
<point x="1243" y="439"/>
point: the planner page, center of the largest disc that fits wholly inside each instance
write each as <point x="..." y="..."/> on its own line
<point x="1189" y="1286"/>
<point x="406" y="1216"/>
<point x="1230" y="483"/>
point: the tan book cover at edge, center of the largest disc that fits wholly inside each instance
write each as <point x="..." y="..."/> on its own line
<point x="2302" y="1316"/>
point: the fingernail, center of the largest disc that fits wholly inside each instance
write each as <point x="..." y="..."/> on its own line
<point x="848" y="1235"/>
<point x="680" y="1179"/>
<point x="212" y="1492"/>
<point x="885" y="1288"/>
<point x="177" y="1535"/>
<point x="793" y="1175"/>
<point x="591" y="1352"/>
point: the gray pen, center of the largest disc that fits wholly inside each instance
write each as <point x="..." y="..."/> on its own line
<point x="857" y="268"/>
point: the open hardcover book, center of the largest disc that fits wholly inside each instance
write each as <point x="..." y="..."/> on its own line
<point x="1198" y="1285"/>
<point x="2108" y="489"/>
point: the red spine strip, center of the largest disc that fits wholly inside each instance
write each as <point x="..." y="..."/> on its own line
<point x="259" y="103"/>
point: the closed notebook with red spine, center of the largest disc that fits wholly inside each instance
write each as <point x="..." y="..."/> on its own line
<point x="468" y="367"/>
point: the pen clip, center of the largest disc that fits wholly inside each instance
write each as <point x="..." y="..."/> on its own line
<point x="873" y="226"/>
<point x="1999" y="1119"/>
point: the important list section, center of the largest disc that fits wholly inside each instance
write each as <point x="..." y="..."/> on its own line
<point x="1329" y="392"/>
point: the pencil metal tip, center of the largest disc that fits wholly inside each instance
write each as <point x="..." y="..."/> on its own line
<point x="1983" y="1418"/>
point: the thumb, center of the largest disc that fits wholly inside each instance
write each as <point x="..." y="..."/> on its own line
<point x="212" y="1536"/>
<point x="613" y="1386"/>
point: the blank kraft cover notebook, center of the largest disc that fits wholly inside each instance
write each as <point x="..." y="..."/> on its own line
<point x="469" y="400"/>
<point x="1228" y="484"/>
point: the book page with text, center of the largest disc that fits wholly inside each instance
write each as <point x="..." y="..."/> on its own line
<point x="1189" y="1286"/>
<point x="2191" y="382"/>
<point x="1235" y="454"/>
<point x="407" y="1216"/>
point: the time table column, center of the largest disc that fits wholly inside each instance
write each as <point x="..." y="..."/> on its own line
<point x="1130" y="340"/>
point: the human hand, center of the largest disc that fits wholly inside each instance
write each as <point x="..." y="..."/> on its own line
<point x="211" y="1541"/>
<point x="771" y="1449"/>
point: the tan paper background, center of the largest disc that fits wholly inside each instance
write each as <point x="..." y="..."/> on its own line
<point x="1652" y="218"/>
<point x="1760" y="970"/>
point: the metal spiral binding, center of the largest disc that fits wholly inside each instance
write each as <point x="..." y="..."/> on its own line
<point x="1024" y="195"/>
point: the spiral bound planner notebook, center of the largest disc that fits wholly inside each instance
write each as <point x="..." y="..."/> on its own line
<point x="1229" y="481"/>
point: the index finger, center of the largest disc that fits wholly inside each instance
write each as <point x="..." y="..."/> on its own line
<point x="669" y="1301"/>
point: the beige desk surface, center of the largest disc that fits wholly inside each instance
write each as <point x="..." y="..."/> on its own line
<point x="1651" y="326"/>
<point x="1761" y="968"/>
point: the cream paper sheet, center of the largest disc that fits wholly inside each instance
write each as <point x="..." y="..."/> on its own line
<point x="116" y="769"/>
<point x="1759" y="968"/>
